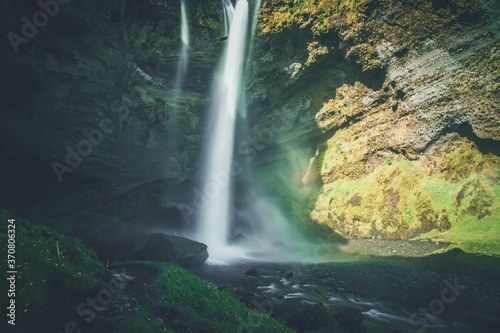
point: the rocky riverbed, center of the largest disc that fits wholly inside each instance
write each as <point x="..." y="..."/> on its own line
<point x="451" y="292"/>
<point x="385" y="248"/>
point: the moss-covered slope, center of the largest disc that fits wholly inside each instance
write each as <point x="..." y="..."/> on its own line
<point x="47" y="283"/>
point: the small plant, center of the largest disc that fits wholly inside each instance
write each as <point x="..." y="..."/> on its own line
<point x="51" y="269"/>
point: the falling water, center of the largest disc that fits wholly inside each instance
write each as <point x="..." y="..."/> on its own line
<point x="215" y="212"/>
<point x="228" y="15"/>
<point x="184" y="26"/>
<point x="173" y="168"/>
<point x="254" y="19"/>
<point x="183" y="59"/>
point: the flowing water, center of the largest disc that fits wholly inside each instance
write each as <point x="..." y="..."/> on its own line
<point x="228" y="15"/>
<point x="183" y="59"/>
<point x="213" y="227"/>
<point x="266" y="226"/>
<point x="277" y="293"/>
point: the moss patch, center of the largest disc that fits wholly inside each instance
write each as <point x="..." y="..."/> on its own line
<point x="202" y="304"/>
<point x="361" y="27"/>
<point x="140" y="321"/>
<point x="46" y="280"/>
<point x="456" y="201"/>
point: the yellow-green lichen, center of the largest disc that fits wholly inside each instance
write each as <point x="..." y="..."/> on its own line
<point x="406" y="199"/>
<point x="359" y="26"/>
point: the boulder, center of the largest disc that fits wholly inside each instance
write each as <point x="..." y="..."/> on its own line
<point x="349" y="316"/>
<point x="313" y="317"/>
<point x="252" y="272"/>
<point x="175" y="249"/>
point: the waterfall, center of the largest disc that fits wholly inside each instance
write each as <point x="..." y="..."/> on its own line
<point x="214" y="223"/>
<point x="184" y="26"/>
<point x="228" y="15"/>
<point x="173" y="168"/>
<point x="183" y="59"/>
<point x="254" y="19"/>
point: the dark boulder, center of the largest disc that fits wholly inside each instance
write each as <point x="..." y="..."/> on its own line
<point x="175" y="249"/>
<point x="349" y="316"/>
<point x="252" y="272"/>
<point x="314" y="317"/>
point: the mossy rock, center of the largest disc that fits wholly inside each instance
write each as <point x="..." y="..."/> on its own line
<point x="455" y="201"/>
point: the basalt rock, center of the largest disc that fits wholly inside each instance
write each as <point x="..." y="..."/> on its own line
<point x="91" y="103"/>
<point x="175" y="249"/>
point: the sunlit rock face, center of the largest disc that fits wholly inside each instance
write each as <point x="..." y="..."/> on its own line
<point x="97" y="135"/>
<point x="383" y="116"/>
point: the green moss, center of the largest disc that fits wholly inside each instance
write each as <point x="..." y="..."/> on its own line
<point x="140" y="321"/>
<point x="306" y="13"/>
<point x="408" y="215"/>
<point x="46" y="280"/>
<point x="406" y="164"/>
<point x="472" y="235"/>
<point x="442" y="193"/>
<point x="208" y="307"/>
<point x="399" y="200"/>
<point x="358" y="26"/>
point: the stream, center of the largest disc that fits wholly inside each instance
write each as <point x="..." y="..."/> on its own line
<point x="389" y="304"/>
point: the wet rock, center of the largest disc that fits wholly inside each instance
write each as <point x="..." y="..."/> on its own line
<point x="88" y="90"/>
<point x="349" y="316"/>
<point x="252" y="272"/>
<point x="175" y="249"/>
<point x="358" y="329"/>
<point x="183" y="322"/>
<point x="247" y="297"/>
<point x="157" y="321"/>
<point x="122" y="277"/>
<point x="288" y="275"/>
<point x="314" y="317"/>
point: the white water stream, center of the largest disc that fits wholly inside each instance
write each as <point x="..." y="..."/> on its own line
<point x="183" y="59"/>
<point x="213" y="227"/>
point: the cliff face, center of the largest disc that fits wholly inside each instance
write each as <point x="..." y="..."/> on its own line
<point x="97" y="133"/>
<point x="370" y="118"/>
<point x="386" y="115"/>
